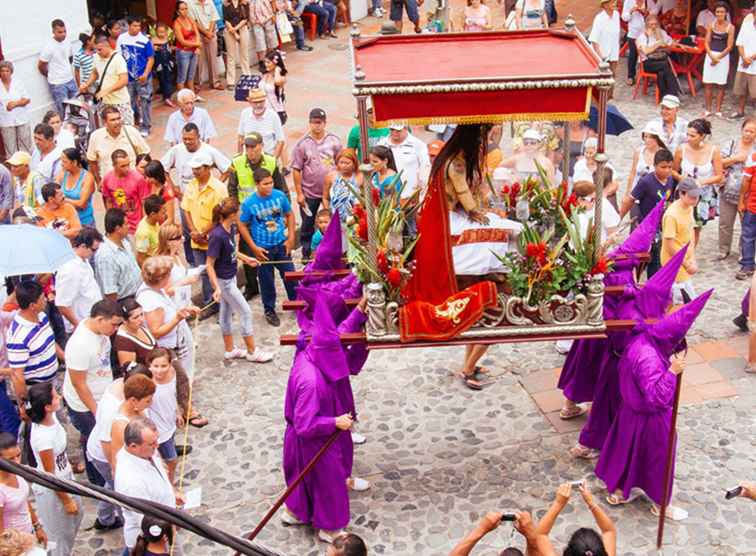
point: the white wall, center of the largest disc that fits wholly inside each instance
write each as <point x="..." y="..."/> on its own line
<point x="24" y="28"/>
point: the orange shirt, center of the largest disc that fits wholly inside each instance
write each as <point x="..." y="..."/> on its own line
<point x="65" y="212"/>
<point x="749" y="170"/>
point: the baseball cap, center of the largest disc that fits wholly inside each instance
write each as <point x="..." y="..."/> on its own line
<point x="252" y="139"/>
<point x="317" y="114"/>
<point x="689" y="186"/>
<point x="670" y="101"/>
<point x="652" y="128"/>
<point x="435" y="147"/>
<point x="256" y="95"/>
<point x="200" y="159"/>
<point x="396" y="127"/>
<point x="20" y="158"/>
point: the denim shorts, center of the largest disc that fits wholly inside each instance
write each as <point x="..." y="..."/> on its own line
<point x="409" y="5"/>
<point x="186" y="65"/>
<point x="167" y="449"/>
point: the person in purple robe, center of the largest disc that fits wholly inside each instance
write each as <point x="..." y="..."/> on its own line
<point x="586" y="357"/>
<point x="314" y="410"/>
<point x="329" y="256"/>
<point x="634" y="455"/>
<point x="650" y="301"/>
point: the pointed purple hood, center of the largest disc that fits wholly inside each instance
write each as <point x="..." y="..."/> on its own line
<point x="669" y="332"/>
<point x="328" y="255"/>
<point x="641" y="238"/>
<point x="325" y="350"/>
<point x="310" y="295"/>
<point x="655" y="296"/>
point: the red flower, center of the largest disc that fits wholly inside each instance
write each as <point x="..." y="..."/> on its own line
<point x="394" y="277"/>
<point x="505" y="189"/>
<point x="362" y="231"/>
<point x="376" y="196"/>
<point x="382" y="261"/>
<point x="516" y="188"/>
<point x="358" y="211"/>
<point x="601" y="266"/>
<point x="536" y="251"/>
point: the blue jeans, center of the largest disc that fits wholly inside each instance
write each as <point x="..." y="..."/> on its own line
<point x="298" y="31"/>
<point x="267" y="279"/>
<point x="62" y="92"/>
<point x="200" y="258"/>
<point x="324" y="16"/>
<point x="141" y="102"/>
<point x="232" y="301"/>
<point x="106" y="513"/>
<point x="9" y="420"/>
<point x="84" y="422"/>
<point x="186" y="65"/>
<point x="748" y="234"/>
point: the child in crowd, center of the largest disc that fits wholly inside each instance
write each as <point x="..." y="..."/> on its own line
<point x="165" y="66"/>
<point x="322" y="220"/>
<point x="83" y="61"/>
<point x="156" y="538"/>
<point x="164" y="407"/>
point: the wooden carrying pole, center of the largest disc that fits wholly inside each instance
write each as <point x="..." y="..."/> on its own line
<point x="294" y="484"/>
<point x="668" y="468"/>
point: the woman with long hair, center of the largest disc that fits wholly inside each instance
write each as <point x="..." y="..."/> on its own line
<point x="273" y="82"/>
<point x="341" y="184"/>
<point x="222" y="253"/>
<point x="384" y="170"/>
<point x="477" y="16"/>
<point x="156" y="538"/>
<point x="59" y="512"/>
<point x="720" y="40"/>
<point x="77" y="184"/>
<point x="156" y="177"/>
<point x="187" y="46"/>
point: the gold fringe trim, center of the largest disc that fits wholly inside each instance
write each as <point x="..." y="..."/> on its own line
<point x="489" y="118"/>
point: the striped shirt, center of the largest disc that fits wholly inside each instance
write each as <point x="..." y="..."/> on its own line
<point x="31" y="347"/>
<point x="84" y="62"/>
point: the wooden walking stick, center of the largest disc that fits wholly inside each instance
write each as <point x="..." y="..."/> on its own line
<point x="292" y="486"/>
<point x="668" y="468"/>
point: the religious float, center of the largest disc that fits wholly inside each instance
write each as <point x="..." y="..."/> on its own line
<point x="547" y="282"/>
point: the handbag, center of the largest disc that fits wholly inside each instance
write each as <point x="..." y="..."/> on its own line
<point x="283" y="25"/>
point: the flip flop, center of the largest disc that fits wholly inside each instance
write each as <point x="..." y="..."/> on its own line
<point x="480" y="370"/>
<point x="198" y="420"/>
<point x="471" y="382"/>
<point x="565" y="414"/>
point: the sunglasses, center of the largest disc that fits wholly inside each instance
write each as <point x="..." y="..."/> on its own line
<point x="530" y="142"/>
<point x="175" y="238"/>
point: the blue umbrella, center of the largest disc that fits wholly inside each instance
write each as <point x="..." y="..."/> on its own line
<point x="27" y="249"/>
<point x="616" y="122"/>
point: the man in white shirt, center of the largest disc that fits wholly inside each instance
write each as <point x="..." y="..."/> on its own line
<point x="674" y="128"/>
<point x="76" y="289"/>
<point x="178" y="156"/>
<point x="745" y="79"/>
<point x="411" y="157"/>
<point x="46" y="156"/>
<point x="140" y="473"/>
<point x="263" y="119"/>
<point x="55" y="64"/>
<point x="189" y="113"/>
<point x="605" y="34"/>
<point x="88" y="371"/>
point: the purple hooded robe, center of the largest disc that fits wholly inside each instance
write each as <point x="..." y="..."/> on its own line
<point x="635" y="451"/>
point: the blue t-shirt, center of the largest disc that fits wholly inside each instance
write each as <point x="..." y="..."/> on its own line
<point x="221" y="23"/>
<point x="136" y="50"/>
<point x="317" y="237"/>
<point x="649" y="191"/>
<point x="266" y="217"/>
<point x="222" y="247"/>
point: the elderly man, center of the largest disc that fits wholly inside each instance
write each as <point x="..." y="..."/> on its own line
<point x="57" y="213"/>
<point x="110" y="75"/>
<point x="46" y="156"/>
<point x="139" y="54"/>
<point x="116" y="269"/>
<point x="186" y="114"/>
<point x="312" y="159"/>
<point x="411" y="158"/>
<point x="141" y="473"/>
<point x="106" y="140"/>
<point x="674" y="128"/>
<point x="28" y="183"/>
<point x="76" y="289"/>
<point x="261" y="118"/>
<point x="54" y="63"/>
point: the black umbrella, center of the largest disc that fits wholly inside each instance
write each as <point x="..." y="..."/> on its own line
<point x="616" y="122"/>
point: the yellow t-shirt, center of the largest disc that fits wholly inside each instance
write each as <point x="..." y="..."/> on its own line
<point x="677" y="225"/>
<point x="146" y="237"/>
<point x="200" y="204"/>
<point x="117" y="67"/>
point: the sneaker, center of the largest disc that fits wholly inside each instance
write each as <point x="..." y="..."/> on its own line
<point x="358" y="438"/>
<point x="117" y="524"/>
<point x="236" y="353"/>
<point x="144" y="132"/>
<point x="183" y="450"/>
<point x="378" y="12"/>
<point x="259" y="356"/>
<point x="305" y="48"/>
<point x="272" y="318"/>
<point x="741" y="322"/>
<point x="358" y="485"/>
<point x="328" y="536"/>
<point x="287" y="518"/>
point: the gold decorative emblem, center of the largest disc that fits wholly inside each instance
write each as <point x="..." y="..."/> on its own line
<point x="453" y="309"/>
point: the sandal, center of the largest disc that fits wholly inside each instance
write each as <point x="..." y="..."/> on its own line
<point x="673" y="513"/>
<point x="79" y="467"/>
<point x="479" y="370"/>
<point x="583" y="452"/>
<point x="218" y="86"/>
<point x="614" y="500"/>
<point x="567" y="413"/>
<point x="471" y="382"/>
<point x="198" y="420"/>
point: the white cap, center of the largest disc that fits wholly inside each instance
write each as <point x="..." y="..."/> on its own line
<point x="200" y="159"/>
<point x="591" y="143"/>
<point x="653" y="128"/>
<point x="670" y="101"/>
<point x="532" y="134"/>
<point x="397" y="127"/>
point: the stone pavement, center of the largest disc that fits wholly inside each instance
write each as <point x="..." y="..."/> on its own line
<point x="438" y="455"/>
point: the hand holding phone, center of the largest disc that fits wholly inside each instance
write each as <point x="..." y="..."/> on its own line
<point x="508" y="517"/>
<point x="732" y="493"/>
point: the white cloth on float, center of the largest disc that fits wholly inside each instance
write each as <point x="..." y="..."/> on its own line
<point x="475" y="246"/>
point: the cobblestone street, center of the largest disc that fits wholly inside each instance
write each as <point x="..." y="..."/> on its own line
<point x="438" y="455"/>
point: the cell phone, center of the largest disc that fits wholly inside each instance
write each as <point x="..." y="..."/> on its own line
<point x="732" y="493"/>
<point x="508" y="517"/>
<point x="577" y="483"/>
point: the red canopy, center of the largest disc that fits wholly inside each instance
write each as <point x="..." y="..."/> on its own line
<point x="477" y="77"/>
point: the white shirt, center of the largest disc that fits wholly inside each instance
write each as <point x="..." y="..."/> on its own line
<point x="90" y="352"/>
<point x="606" y="33"/>
<point x="609" y="219"/>
<point x="47" y="165"/>
<point x="56" y="54"/>
<point x="706" y="17"/>
<point x="269" y="126"/>
<point x="645" y="41"/>
<point x="411" y="157"/>
<point x="747" y="39"/>
<point x="20" y="114"/>
<point x="635" y="21"/>
<point x="107" y="408"/>
<point x="178" y="157"/>
<point x="164" y="409"/>
<point x="76" y="287"/>
<point x="200" y="117"/>
<point x="65" y="139"/>
<point x="51" y="438"/>
<point x="150" y="300"/>
<point x="581" y="172"/>
<point x="141" y="478"/>
<point x="204" y="12"/>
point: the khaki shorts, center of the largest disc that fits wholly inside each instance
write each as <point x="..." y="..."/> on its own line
<point x="744" y="83"/>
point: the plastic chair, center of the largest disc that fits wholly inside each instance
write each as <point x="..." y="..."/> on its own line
<point x="310" y="22"/>
<point x="644" y="78"/>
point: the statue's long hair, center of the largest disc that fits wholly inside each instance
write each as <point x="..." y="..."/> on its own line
<point x="471" y="141"/>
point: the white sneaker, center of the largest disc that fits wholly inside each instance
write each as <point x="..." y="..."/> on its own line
<point x="259" y="356"/>
<point x="328" y="536"/>
<point x="358" y="438"/>
<point x="236" y="353"/>
<point x="378" y="12"/>
<point x="357" y="484"/>
<point x="287" y="518"/>
<point x="563" y="346"/>
<point x="673" y="513"/>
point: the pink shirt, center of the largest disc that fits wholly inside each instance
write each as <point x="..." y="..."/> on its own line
<point x="126" y="193"/>
<point x="14" y="503"/>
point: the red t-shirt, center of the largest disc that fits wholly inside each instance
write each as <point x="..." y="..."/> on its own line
<point x="126" y="193"/>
